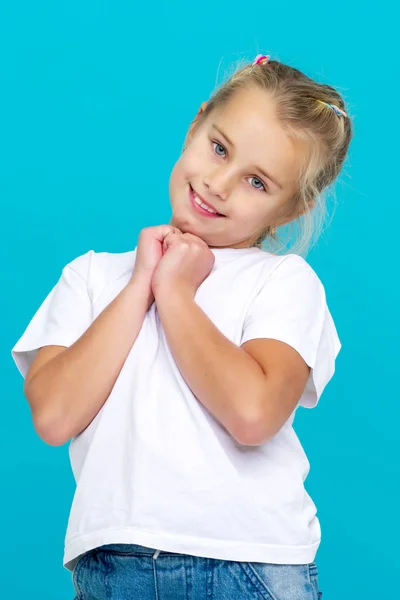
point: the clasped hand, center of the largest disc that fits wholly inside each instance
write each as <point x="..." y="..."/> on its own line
<point x="185" y="263"/>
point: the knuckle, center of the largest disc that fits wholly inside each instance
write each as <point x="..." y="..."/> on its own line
<point x="144" y="232"/>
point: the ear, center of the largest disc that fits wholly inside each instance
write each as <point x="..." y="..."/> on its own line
<point x="311" y="205"/>
<point x="194" y="123"/>
<point x="287" y="219"/>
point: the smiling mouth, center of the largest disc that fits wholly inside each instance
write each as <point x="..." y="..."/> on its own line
<point x="202" y="206"/>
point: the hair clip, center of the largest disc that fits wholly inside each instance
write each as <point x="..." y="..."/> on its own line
<point x="335" y="108"/>
<point x="261" y="59"/>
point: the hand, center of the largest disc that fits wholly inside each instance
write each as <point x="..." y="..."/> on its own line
<point x="186" y="262"/>
<point x="149" y="251"/>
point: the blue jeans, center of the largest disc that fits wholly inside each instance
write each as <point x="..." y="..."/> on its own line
<point x="132" y="572"/>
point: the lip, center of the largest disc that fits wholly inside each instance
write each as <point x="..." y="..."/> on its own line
<point x="199" y="208"/>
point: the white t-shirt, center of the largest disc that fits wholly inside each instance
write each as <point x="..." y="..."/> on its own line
<point x="154" y="467"/>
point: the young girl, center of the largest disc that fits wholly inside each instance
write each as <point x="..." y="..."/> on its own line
<point x="177" y="368"/>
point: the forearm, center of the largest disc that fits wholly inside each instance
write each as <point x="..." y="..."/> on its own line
<point x="223" y="377"/>
<point x="67" y="392"/>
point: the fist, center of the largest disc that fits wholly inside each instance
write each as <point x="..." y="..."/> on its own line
<point x="186" y="262"/>
<point x="150" y="249"/>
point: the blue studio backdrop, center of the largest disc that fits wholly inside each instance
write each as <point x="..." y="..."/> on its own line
<point x="96" y="97"/>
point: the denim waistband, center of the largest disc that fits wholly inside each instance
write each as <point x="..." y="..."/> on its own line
<point x="133" y="548"/>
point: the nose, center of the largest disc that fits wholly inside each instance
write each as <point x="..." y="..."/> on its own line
<point x="219" y="183"/>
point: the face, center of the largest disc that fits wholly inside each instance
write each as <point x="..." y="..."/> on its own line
<point x="240" y="163"/>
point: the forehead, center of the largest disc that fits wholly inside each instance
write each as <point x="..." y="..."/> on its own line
<point x="250" y="121"/>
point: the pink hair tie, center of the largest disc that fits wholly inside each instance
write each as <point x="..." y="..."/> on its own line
<point x="261" y="59"/>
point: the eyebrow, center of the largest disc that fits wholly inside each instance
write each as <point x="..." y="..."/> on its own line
<point x="273" y="179"/>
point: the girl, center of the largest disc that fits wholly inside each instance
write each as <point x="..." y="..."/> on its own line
<point x="177" y="368"/>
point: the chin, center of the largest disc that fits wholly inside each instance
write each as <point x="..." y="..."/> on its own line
<point x="187" y="227"/>
<point x="182" y="220"/>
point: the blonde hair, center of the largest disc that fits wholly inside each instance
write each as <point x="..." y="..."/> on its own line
<point x="302" y="112"/>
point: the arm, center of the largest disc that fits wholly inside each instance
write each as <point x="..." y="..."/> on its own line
<point x="251" y="390"/>
<point x="66" y="387"/>
<point x="67" y="391"/>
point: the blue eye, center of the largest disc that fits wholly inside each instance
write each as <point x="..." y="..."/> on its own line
<point x="259" y="181"/>
<point x="218" y="145"/>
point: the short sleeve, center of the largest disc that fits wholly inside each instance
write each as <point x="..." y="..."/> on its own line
<point x="62" y="318"/>
<point x="291" y="307"/>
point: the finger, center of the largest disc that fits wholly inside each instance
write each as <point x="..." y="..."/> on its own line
<point x="168" y="240"/>
<point x="193" y="238"/>
<point x="173" y="239"/>
<point x="163" y="231"/>
<point x="172" y="231"/>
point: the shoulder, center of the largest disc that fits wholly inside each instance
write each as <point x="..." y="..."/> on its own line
<point x="291" y="270"/>
<point x="99" y="269"/>
<point x="291" y="263"/>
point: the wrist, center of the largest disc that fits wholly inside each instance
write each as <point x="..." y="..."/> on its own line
<point x="140" y="283"/>
<point x="141" y="278"/>
<point x="172" y="293"/>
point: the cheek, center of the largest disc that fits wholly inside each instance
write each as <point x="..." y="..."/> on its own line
<point x="177" y="175"/>
<point x="195" y="157"/>
<point x="192" y="164"/>
<point x="250" y="208"/>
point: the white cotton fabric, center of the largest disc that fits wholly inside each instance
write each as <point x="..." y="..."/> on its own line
<point x="154" y="467"/>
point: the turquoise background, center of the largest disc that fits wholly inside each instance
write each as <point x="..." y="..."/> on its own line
<point x="95" y="101"/>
